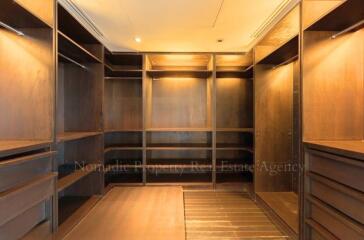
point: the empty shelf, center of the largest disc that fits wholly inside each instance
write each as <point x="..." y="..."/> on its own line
<point x="179" y="130"/>
<point x="16" y="16"/>
<point x="234" y="147"/>
<point x="123" y="148"/>
<point x="12" y="147"/>
<point x="75" y="51"/>
<point x="187" y="146"/>
<point x="71" y="136"/>
<point x="71" y="210"/>
<point x="123" y="130"/>
<point x="179" y="73"/>
<point x="249" y="130"/>
<point x="75" y="176"/>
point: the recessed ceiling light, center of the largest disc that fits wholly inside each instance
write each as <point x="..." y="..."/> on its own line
<point x="138" y="39"/>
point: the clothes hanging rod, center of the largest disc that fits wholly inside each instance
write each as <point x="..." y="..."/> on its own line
<point x="286" y="62"/>
<point x="72" y="61"/>
<point x="248" y="68"/>
<point x="20" y="33"/>
<point x="348" y="29"/>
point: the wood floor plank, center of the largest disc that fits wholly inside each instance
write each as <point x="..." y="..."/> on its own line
<point x="135" y="213"/>
<point x="226" y="216"/>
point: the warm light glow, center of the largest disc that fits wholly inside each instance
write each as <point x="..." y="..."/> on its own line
<point x="138" y="39"/>
<point x="173" y="60"/>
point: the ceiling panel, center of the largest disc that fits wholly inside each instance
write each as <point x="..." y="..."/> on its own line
<point x="179" y="25"/>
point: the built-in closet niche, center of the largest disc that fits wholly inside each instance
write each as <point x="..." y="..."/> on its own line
<point x="79" y="130"/>
<point x="123" y="118"/>
<point x="277" y="118"/>
<point x="234" y="118"/>
<point x="178" y="108"/>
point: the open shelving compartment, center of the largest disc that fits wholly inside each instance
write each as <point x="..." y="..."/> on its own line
<point x="234" y="118"/>
<point x="123" y="118"/>
<point x="277" y="117"/>
<point x="79" y="135"/>
<point x="27" y="103"/>
<point x="333" y="100"/>
<point x="178" y="121"/>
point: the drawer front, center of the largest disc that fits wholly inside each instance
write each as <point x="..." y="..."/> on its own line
<point x="348" y="201"/>
<point x="343" y="170"/>
<point x="22" y="224"/>
<point x="22" y="170"/>
<point x="16" y="201"/>
<point x="338" y="225"/>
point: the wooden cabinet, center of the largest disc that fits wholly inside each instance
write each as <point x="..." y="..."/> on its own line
<point x="27" y="80"/>
<point x="332" y="109"/>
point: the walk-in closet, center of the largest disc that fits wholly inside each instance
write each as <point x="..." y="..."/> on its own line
<point x="182" y="119"/>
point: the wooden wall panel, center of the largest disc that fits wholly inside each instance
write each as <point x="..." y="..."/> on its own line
<point x="234" y="105"/>
<point x="123" y="104"/>
<point x="179" y="103"/>
<point x="273" y="125"/>
<point x="26" y="93"/>
<point x="82" y="100"/>
<point x="333" y="71"/>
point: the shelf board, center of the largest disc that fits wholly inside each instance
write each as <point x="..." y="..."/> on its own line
<point x="118" y="68"/>
<point x="235" y="74"/>
<point x="350" y="148"/>
<point x="179" y="73"/>
<point x="69" y="25"/>
<point x="12" y="147"/>
<point x="16" y="16"/>
<point x="72" y="136"/>
<point x="74" y="177"/>
<point x="118" y="167"/>
<point x="75" y="51"/>
<point x="124" y="60"/>
<point x="180" y="166"/>
<point x="123" y="130"/>
<point x="248" y="130"/>
<point x="179" y="161"/>
<point x="183" y="184"/>
<point x="228" y="147"/>
<point x="345" y="15"/>
<point x="123" y="78"/>
<point x="282" y="53"/>
<point x="71" y="210"/>
<point x="122" y="148"/>
<point x="178" y="147"/>
<point x="179" y="130"/>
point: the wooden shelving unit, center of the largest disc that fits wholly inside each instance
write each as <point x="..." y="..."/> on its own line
<point x="79" y="131"/>
<point x="123" y="118"/>
<point x="333" y="117"/>
<point x="27" y="183"/>
<point x="234" y="135"/>
<point x="277" y="119"/>
<point x="178" y="118"/>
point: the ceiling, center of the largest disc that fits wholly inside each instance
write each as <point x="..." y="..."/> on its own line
<point x="179" y="25"/>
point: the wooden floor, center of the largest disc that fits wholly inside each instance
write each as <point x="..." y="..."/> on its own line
<point x="135" y="213"/>
<point x="164" y="213"/>
<point x="285" y="205"/>
<point x="226" y="216"/>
